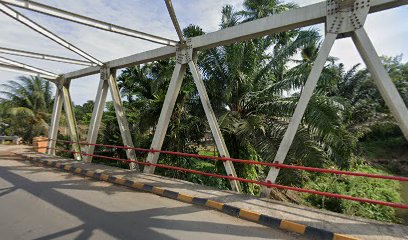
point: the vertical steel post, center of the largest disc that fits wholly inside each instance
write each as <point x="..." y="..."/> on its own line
<point x="381" y="78"/>
<point x="165" y="114"/>
<point x="71" y="121"/>
<point x="121" y="117"/>
<point x="304" y="99"/>
<point x="55" y="119"/>
<point x="97" y="113"/>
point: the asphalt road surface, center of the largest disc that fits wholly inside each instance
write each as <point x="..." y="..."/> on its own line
<point x="40" y="203"/>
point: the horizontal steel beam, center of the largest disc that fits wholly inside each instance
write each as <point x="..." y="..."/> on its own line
<point x="44" y="56"/>
<point x="139" y="58"/>
<point x="73" y="17"/>
<point x="10" y="68"/>
<point x="10" y="62"/>
<point x="38" y="28"/>
<point x="296" y="18"/>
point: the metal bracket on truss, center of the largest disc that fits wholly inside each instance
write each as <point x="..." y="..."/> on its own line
<point x="184" y="52"/>
<point x="344" y="16"/>
<point x="104" y="73"/>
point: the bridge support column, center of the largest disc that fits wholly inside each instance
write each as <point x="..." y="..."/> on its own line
<point x="55" y="119"/>
<point x="97" y="113"/>
<point x="71" y="121"/>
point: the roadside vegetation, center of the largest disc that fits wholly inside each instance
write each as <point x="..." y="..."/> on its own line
<point x="254" y="87"/>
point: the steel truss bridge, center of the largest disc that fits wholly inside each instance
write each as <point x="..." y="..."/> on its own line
<point x="342" y="19"/>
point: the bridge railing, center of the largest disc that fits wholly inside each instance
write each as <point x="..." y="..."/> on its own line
<point x="13" y="139"/>
<point x="267" y="184"/>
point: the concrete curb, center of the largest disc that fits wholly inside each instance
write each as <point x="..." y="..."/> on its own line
<point x="308" y="231"/>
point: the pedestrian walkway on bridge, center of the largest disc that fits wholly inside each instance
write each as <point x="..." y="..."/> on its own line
<point x="50" y="204"/>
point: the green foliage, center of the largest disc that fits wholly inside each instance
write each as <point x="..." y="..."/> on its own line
<point x="254" y="87"/>
<point x="83" y="113"/>
<point x="25" y="107"/>
<point x="384" y="190"/>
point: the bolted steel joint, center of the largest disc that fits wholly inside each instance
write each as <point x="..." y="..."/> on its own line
<point x="184" y="52"/>
<point x="344" y="16"/>
<point x="104" y="73"/>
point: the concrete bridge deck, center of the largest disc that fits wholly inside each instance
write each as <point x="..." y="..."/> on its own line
<point x="45" y="204"/>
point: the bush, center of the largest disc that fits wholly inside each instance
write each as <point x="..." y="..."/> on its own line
<point x="384" y="190"/>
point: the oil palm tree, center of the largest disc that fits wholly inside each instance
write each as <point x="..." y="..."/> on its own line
<point x="259" y="94"/>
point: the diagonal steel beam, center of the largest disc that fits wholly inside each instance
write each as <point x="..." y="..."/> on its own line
<point x="215" y="128"/>
<point x="36" y="27"/>
<point x="382" y="79"/>
<point x="173" y="17"/>
<point x="71" y="120"/>
<point x="121" y="117"/>
<point x="97" y="114"/>
<point x="165" y="115"/>
<point x="55" y="120"/>
<point x="44" y="56"/>
<point x="300" y="109"/>
<point x="73" y="17"/>
<point x="10" y="68"/>
<point x="27" y="67"/>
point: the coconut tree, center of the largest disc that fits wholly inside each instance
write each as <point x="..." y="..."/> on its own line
<point x="30" y="101"/>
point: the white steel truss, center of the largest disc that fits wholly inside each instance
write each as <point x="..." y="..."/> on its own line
<point x="184" y="58"/>
<point x="44" y="57"/>
<point x="342" y="19"/>
<point x="36" y="27"/>
<point x="346" y="18"/>
<point x="9" y="62"/>
<point x="11" y="68"/>
<point x="73" y="17"/>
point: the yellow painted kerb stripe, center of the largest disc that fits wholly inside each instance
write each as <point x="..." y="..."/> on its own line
<point x="249" y="215"/>
<point x="104" y="177"/>
<point x="293" y="227"/>
<point x="138" y="185"/>
<point x="90" y="173"/>
<point x="214" y="204"/>
<point x="343" y="237"/>
<point x="120" y="180"/>
<point x="158" y="190"/>
<point x="185" y="198"/>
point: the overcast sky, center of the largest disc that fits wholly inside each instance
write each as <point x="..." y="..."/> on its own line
<point x="388" y="31"/>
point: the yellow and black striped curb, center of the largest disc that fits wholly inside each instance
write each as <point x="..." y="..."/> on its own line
<point x="308" y="231"/>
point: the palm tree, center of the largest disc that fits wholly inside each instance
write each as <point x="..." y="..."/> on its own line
<point x="254" y="9"/>
<point x="30" y="101"/>
<point x="260" y="91"/>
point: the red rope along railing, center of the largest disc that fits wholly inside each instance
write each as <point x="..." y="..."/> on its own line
<point x="266" y="184"/>
<point x="276" y="165"/>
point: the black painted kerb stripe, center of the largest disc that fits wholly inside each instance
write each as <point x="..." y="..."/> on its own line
<point x="310" y="232"/>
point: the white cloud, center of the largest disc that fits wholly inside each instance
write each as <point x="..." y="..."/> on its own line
<point x="387" y="30"/>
